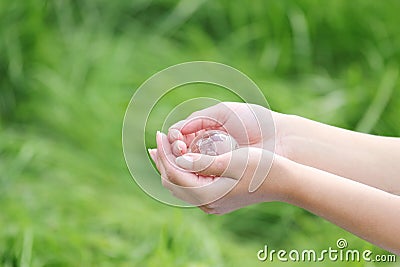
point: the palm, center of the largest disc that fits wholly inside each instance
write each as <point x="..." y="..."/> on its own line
<point x="250" y="125"/>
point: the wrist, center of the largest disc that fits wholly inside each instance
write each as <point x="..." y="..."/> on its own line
<point x="281" y="180"/>
<point x="287" y="134"/>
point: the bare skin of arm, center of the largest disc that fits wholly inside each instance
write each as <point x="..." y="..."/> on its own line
<point x="367" y="212"/>
<point x="369" y="159"/>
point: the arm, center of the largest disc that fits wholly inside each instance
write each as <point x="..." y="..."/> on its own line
<point x="369" y="159"/>
<point x="372" y="160"/>
<point x="365" y="211"/>
<point x="368" y="212"/>
<point x="311" y="170"/>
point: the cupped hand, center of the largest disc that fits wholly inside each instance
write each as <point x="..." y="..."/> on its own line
<point x="219" y="184"/>
<point x="251" y="126"/>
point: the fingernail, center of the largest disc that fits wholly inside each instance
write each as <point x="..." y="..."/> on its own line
<point x="157" y="136"/>
<point x="151" y="154"/>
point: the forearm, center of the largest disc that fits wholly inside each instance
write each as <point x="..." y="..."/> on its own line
<point x="365" y="211"/>
<point x="372" y="160"/>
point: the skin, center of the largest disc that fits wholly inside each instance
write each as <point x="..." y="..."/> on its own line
<point x="345" y="177"/>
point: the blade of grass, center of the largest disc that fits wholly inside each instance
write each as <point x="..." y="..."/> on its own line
<point x="179" y="15"/>
<point x="26" y="253"/>
<point x="378" y="104"/>
<point x="301" y="39"/>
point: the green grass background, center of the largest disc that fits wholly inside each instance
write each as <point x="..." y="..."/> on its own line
<point x="67" y="72"/>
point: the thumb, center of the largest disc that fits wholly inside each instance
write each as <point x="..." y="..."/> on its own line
<point x="203" y="164"/>
<point x="253" y="162"/>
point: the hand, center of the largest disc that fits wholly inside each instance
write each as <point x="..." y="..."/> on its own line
<point x="251" y="126"/>
<point x="234" y="172"/>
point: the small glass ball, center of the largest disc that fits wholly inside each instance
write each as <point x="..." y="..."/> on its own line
<point x="213" y="143"/>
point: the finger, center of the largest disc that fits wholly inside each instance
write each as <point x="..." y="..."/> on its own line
<point x="167" y="160"/>
<point x="154" y="157"/>
<point x="212" y="117"/>
<point x="174" y="134"/>
<point x="152" y="153"/>
<point x="186" y="185"/>
<point x="204" y="164"/>
<point x="188" y="139"/>
<point x="164" y="179"/>
<point x="183" y="193"/>
<point x="160" y="168"/>
<point x="232" y="164"/>
<point x="178" y="125"/>
<point x="164" y="148"/>
<point x="179" y="148"/>
<point x="201" y="123"/>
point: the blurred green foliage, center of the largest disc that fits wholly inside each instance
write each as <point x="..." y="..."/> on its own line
<point x="67" y="72"/>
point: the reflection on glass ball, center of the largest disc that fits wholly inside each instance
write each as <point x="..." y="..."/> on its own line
<point x="213" y="143"/>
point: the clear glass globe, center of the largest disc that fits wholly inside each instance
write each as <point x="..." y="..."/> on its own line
<point x="213" y="143"/>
